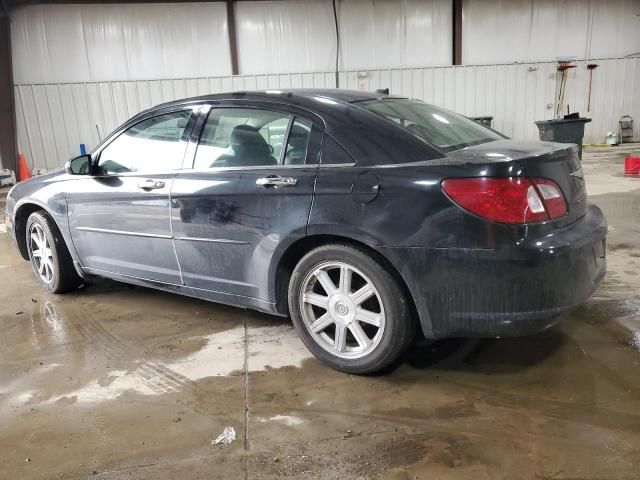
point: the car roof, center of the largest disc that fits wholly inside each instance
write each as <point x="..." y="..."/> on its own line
<point x="290" y="96"/>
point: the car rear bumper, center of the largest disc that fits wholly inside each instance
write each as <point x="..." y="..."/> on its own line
<point x="515" y="290"/>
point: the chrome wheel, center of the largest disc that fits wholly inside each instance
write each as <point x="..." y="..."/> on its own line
<point x="342" y="310"/>
<point x="41" y="254"/>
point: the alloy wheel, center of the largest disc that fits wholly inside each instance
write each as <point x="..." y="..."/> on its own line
<point x="41" y="254"/>
<point x="342" y="310"/>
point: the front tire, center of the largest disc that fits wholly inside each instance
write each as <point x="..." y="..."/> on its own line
<point x="49" y="256"/>
<point x="349" y="311"/>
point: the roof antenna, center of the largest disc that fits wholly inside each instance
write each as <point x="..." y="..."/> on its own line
<point x="384" y="91"/>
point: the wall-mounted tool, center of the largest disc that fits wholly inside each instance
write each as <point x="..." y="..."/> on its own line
<point x="590" y="68"/>
<point x="563" y="68"/>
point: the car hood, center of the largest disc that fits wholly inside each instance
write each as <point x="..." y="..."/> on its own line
<point x="27" y="188"/>
<point x="39" y="180"/>
<point x="47" y="176"/>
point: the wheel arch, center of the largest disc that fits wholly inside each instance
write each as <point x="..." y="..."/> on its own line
<point x="22" y="213"/>
<point x="298" y="249"/>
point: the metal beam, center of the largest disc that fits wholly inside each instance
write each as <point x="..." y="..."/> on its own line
<point x="8" y="143"/>
<point x="457" y="32"/>
<point x="233" y="37"/>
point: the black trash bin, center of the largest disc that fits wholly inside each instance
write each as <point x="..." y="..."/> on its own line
<point x="564" y="130"/>
<point x="486" y="121"/>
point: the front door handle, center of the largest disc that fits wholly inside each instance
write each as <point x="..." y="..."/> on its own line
<point x="276" y="181"/>
<point x="151" y="184"/>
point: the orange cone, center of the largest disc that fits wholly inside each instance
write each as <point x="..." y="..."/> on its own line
<point x="23" y="170"/>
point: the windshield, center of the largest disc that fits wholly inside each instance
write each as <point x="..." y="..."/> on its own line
<point x="446" y="130"/>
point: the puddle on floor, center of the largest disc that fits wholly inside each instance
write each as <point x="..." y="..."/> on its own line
<point x="288" y="420"/>
<point x="121" y="367"/>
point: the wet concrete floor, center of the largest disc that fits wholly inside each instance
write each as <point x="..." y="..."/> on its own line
<point x="118" y="382"/>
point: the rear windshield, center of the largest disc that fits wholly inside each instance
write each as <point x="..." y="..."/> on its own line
<point x="446" y="130"/>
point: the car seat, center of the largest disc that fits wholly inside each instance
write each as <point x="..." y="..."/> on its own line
<point x="249" y="148"/>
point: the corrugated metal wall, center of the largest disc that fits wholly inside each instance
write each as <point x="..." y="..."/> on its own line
<point x="502" y="31"/>
<point x="118" y="42"/>
<point x="53" y="119"/>
<point x="111" y="49"/>
<point x="84" y="43"/>
<point x="299" y="35"/>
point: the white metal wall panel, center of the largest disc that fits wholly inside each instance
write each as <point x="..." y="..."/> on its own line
<point x="64" y="43"/>
<point x="615" y="27"/>
<point x="53" y="119"/>
<point x="396" y="34"/>
<point x="84" y="43"/>
<point x="299" y="35"/>
<point x="277" y="37"/>
<point x="503" y="31"/>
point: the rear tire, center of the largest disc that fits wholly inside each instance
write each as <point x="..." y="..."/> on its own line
<point x="49" y="256"/>
<point x="349" y="310"/>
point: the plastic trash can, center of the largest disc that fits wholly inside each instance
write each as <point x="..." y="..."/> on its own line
<point x="566" y="130"/>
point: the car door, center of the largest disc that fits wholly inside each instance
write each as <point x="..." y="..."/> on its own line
<point x="119" y="217"/>
<point x="249" y="190"/>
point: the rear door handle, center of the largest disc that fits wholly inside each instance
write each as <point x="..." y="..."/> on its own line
<point x="151" y="184"/>
<point x="276" y="181"/>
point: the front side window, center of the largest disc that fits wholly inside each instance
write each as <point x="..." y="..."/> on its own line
<point x="156" y="144"/>
<point x="446" y="130"/>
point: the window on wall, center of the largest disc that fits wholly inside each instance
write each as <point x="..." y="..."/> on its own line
<point x="155" y="145"/>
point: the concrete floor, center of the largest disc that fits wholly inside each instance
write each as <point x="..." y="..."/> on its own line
<point x="117" y="382"/>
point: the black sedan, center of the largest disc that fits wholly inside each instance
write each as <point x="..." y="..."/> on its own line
<point x="364" y="217"/>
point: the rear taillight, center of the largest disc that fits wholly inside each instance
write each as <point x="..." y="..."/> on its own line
<point x="551" y="197"/>
<point x="513" y="200"/>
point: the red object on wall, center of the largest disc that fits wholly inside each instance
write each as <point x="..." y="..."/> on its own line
<point x="632" y="166"/>
<point x="23" y="170"/>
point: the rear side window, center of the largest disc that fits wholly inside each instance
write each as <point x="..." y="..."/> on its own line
<point x="297" y="143"/>
<point x="156" y="144"/>
<point x="334" y="154"/>
<point x="445" y="129"/>
<point x="242" y="137"/>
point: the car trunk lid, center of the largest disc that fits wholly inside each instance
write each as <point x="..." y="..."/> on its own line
<point x="556" y="161"/>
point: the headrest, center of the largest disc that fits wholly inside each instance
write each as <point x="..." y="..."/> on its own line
<point x="298" y="131"/>
<point x="246" y="135"/>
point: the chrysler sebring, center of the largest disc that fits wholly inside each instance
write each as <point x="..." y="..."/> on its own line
<point x="367" y="218"/>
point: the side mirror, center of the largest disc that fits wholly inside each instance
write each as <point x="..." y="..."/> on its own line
<point x="79" y="165"/>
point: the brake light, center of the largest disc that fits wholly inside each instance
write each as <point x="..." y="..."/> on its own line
<point x="513" y="200"/>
